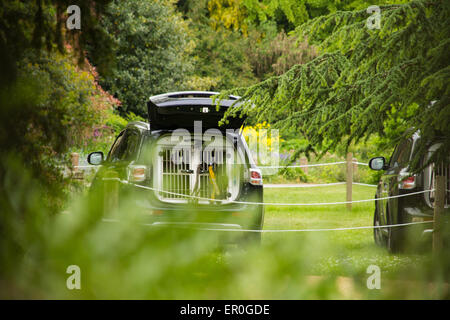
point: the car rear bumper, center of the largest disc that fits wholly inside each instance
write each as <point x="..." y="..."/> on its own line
<point x="415" y="209"/>
<point x="211" y="216"/>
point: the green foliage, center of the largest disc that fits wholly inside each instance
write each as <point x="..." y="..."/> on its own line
<point x="131" y="261"/>
<point x="45" y="99"/>
<point x="292" y="175"/>
<point x="271" y="52"/>
<point x="38" y="25"/>
<point x="291" y="143"/>
<point x="365" y="84"/>
<point x="44" y="112"/>
<point x="286" y="14"/>
<point x="101" y="136"/>
<point x="227" y="13"/>
<point x="118" y="123"/>
<point x="240" y="15"/>
<point x="224" y="57"/>
<point x="363" y="77"/>
<point x="64" y="95"/>
<point x="221" y="57"/>
<point x="151" y="45"/>
<point x="130" y="116"/>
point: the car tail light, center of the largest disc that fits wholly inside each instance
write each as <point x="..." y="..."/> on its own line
<point x="256" y="177"/>
<point x="136" y="173"/>
<point x="406" y="181"/>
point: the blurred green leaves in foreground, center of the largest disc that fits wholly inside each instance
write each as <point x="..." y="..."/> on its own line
<point x="128" y="260"/>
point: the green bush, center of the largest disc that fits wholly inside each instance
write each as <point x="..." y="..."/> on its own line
<point x="220" y="59"/>
<point x="46" y="111"/>
<point x="130" y="116"/>
<point x="116" y="122"/>
<point x="151" y="51"/>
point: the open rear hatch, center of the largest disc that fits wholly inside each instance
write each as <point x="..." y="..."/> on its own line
<point x="181" y="171"/>
<point x="180" y="110"/>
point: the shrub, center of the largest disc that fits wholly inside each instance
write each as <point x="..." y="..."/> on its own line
<point x="151" y="51"/>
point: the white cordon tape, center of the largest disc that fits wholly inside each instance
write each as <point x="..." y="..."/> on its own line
<point x="271" y="167"/>
<point x="266" y="203"/>
<point x="280" y="230"/>
<point x="313" y="165"/>
<point x="304" y="165"/>
<point x="269" y="186"/>
<point x="364" y="184"/>
<point x="302" y="185"/>
<point x="87" y="167"/>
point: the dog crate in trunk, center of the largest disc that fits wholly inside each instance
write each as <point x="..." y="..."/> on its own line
<point x="184" y="173"/>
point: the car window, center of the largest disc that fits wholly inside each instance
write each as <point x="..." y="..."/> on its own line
<point x="402" y="153"/>
<point x="132" y="144"/>
<point x="125" y="147"/>
<point x="117" y="149"/>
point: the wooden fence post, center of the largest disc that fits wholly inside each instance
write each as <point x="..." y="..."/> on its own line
<point x="75" y="172"/>
<point x="439" y="203"/>
<point x="304" y="162"/>
<point x="75" y="160"/>
<point x="355" y="169"/>
<point x="349" y="179"/>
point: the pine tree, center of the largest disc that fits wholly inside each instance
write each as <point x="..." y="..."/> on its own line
<point x="364" y="77"/>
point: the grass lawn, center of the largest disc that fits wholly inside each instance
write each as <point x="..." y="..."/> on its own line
<point x="343" y="257"/>
<point x="347" y="252"/>
<point x="121" y="260"/>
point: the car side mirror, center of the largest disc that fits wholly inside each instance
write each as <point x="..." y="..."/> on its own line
<point x="95" y="158"/>
<point x="377" y="163"/>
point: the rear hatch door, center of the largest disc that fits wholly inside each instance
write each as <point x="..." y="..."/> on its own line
<point x="180" y="110"/>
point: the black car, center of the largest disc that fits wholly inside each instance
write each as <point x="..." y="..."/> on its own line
<point x="398" y="180"/>
<point x="183" y="168"/>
